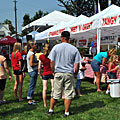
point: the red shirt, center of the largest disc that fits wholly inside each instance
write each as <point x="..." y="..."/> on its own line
<point x="15" y="60"/>
<point x="46" y="65"/>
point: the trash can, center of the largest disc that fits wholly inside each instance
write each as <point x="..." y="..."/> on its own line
<point x="114" y="88"/>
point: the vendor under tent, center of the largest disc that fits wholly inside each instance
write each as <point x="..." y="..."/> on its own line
<point x="48" y="21"/>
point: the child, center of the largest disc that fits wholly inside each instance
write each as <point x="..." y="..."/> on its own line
<point x="80" y="76"/>
<point x="112" y="69"/>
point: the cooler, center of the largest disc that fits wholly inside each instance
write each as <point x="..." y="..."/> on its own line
<point x="114" y="88"/>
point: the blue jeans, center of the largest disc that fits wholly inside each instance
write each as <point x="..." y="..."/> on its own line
<point x="78" y="83"/>
<point x="33" y="79"/>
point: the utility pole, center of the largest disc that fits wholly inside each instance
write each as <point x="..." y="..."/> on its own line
<point x="15" y="18"/>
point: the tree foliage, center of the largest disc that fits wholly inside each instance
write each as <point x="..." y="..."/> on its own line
<point x="27" y="19"/>
<point x="11" y="28"/>
<point x="85" y="7"/>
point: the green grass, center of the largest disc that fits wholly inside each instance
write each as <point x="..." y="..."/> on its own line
<point x="91" y="106"/>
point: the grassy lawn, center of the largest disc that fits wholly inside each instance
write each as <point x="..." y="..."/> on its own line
<point x="91" y="106"/>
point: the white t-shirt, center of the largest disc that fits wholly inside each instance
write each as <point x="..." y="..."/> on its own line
<point x="30" y="69"/>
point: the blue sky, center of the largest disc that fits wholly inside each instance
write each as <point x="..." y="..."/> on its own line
<point x="25" y="6"/>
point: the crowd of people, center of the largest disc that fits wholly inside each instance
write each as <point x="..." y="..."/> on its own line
<point x="61" y="65"/>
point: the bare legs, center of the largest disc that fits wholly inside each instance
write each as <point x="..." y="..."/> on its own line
<point x="18" y="81"/>
<point x="67" y="103"/>
<point x="98" y="81"/>
<point x="45" y="83"/>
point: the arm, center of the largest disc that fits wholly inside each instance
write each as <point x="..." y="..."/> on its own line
<point x="52" y="65"/>
<point x="31" y="61"/>
<point x="76" y="68"/>
<point x="110" y="67"/>
<point x="7" y="70"/>
<point x="39" y="68"/>
<point x="104" y="62"/>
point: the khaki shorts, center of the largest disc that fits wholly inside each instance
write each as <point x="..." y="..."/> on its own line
<point x="66" y="81"/>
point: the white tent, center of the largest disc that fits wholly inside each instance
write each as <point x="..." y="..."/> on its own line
<point x="51" y="19"/>
<point x="33" y="33"/>
<point x="55" y="31"/>
<point x="89" y="27"/>
<point x="45" y="34"/>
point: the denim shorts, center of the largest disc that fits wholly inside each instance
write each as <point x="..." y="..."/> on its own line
<point x="111" y="75"/>
<point x="95" y="66"/>
<point x="46" y="77"/>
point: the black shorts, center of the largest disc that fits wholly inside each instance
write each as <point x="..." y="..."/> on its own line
<point x="46" y="77"/>
<point x="2" y="84"/>
<point x="17" y="72"/>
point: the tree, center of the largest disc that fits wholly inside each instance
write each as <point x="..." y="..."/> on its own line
<point x="26" y="20"/>
<point x="85" y="7"/>
<point x="78" y="7"/>
<point x="11" y="28"/>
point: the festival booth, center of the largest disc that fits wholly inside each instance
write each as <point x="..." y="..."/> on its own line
<point x="103" y="25"/>
<point x="6" y="44"/>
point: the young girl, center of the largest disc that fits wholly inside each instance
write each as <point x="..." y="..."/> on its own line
<point x="47" y="72"/>
<point x="112" y="69"/>
<point x="16" y="58"/>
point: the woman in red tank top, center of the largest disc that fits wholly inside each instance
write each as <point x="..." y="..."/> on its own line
<point x="112" y="69"/>
<point x="47" y="72"/>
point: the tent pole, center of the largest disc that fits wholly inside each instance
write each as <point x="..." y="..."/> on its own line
<point x="108" y="46"/>
<point x="98" y="39"/>
<point x="34" y="32"/>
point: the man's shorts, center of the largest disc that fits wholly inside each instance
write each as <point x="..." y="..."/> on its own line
<point x="46" y="77"/>
<point x="2" y="84"/>
<point x="63" y="81"/>
<point x="95" y="66"/>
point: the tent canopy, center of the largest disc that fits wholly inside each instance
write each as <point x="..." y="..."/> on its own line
<point x="7" y="41"/>
<point x="51" y="19"/>
<point x="61" y="27"/>
<point x="24" y="39"/>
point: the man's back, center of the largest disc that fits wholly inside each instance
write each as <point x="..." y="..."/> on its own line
<point x="64" y="55"/>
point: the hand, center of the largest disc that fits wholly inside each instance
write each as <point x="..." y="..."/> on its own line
<point x="10" y="78"/>
<point x="40" y="77"/>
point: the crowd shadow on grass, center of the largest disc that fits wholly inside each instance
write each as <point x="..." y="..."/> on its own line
<point x="18" y="110"/>
<point x="88" y="90"/>
<point x="86" y="107"/>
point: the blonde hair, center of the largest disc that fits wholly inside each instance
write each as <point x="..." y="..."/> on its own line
<point x="113" y="58"/>
<point x="111" y="52"/>
<point x="16" y="48"/>
<point x="30" y="44"/>
<point x="25" y="48"/>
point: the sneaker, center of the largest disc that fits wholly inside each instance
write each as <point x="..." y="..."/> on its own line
<point x="31" y="103"/>
<point x="49" y="113"/>
<point x="2" y="101"/>
<point x="67" y="115"/>
<point x="107" y="91"/>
